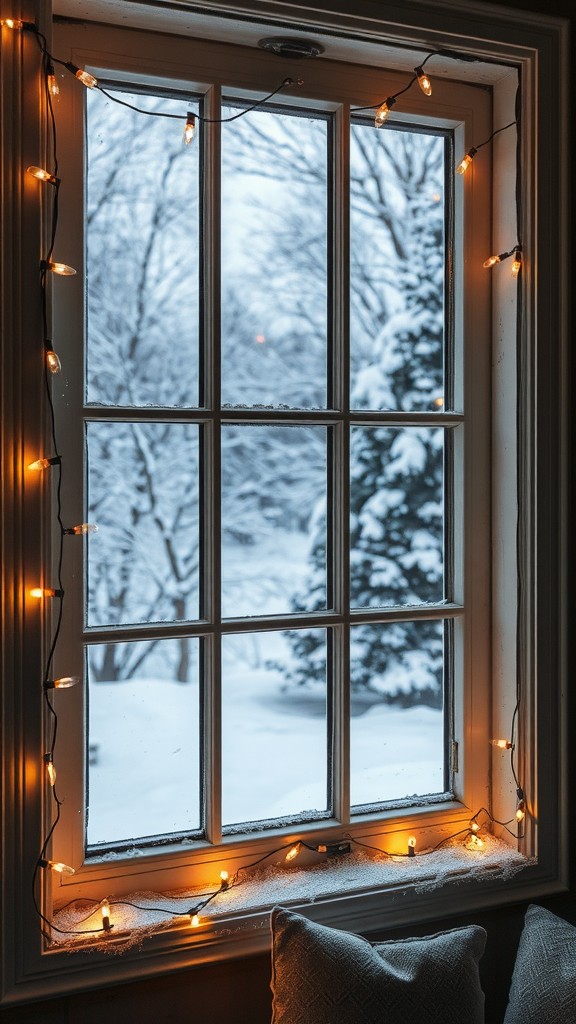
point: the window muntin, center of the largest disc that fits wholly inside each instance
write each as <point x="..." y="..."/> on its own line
<point x="283" y="483"/>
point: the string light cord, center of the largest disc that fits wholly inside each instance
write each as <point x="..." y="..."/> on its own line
<point x="393" y="97"/>
<point x="285" y="84"/>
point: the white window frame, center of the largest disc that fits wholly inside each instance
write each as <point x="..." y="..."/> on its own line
<point x="538" y="47"/>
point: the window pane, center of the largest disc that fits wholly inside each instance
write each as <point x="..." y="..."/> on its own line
<point x="396" y="516"/>
<point x="397" y="719"/>
<point x="397" y="250"/>
<point x="273" y="481"/>
<point x="274" y="740"/>
<point x="274" y="260"/>
<point x="143" y="495"/>
<point x="142" y="236"/>
<point x="143" y="739"/>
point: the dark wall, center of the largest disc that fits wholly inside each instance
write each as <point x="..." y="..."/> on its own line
<point x="238" y="992"/>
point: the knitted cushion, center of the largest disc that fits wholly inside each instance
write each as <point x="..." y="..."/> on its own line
<point x="325" y="976"/>
<point x="544" y="981"/>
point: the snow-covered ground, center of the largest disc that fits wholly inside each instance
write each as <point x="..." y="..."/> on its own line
<point x="146" y="776"/>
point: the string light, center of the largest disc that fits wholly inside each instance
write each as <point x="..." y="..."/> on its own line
<point x="46" y="592"/>
<point x="515" y="252"/>
<point x="502" y="744"/>
<point x="13" y="23"/>
<point x="81" y="530"/>
<point x="52" y="361"/>
<point x="423" y="80"/>
<point x="83" y="76"/>
<point x="57" y="866"/>
<point x="466" y="161"/>
<point x="63" y="683"/>
<point x="412" y="846"/>
<point x="517" y="264"/>
<point x="293" y="852"/>
<point x="195" y="920"/>
<point x="40" y="464"/>
<point x="474" y="826"/>
<point x="51" y="81"/>
<point x="190" y="127"/>
<point x="50" y="769"/>
<point x="383" y="111"/>
<point x="105" y="907"/>
<point x="58" y="268"/>
<point x="224" y="880"/>
<point x="42" y="175"/>
<point x="474" y="842"/>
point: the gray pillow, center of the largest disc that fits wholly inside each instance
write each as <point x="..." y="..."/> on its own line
<point x="325" y="976"/>
<point x="543" y="987"/>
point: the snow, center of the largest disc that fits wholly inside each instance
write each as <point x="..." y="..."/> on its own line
<point x="146" y="779"/>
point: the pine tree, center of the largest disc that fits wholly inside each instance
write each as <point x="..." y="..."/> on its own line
<point x="396" y="474"/>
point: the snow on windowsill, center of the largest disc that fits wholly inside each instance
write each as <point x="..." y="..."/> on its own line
<point x="280" y="884"/>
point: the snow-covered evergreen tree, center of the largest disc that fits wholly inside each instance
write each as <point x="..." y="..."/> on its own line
<point x="396" y="473"/>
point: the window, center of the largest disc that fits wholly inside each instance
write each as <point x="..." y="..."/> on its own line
<point x="274" y="510"/>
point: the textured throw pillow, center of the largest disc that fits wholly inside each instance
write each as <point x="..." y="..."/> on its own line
<point x="543" y="987"/>
<point x="325" y="976"/>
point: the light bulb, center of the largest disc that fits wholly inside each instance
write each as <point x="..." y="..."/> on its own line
<point x="53" y="86"/>
<point x="475" y="843"/>
<point x="42" y="175"/>
<point x="293" y="852"/>
<point x="517" y="264"/>
<point x="439" y="402"/>
<point x="105" y="907"/>
<point x="83" y="76"/>
<point x="412" y="846"/>
<point x="521" y="811"/>
<point x="45" y="463"/>
<point x="46" y="592"/>
<point x="224" y="877"/>
<point x="423" y="81"/>
<point x="13" y="23"/>
<point x="195" y="920"/>
<point x="64" y="683"/>
<point x="52" y="361"/>
<point x="383" y="111"/>
<point x="502" y="744"/>
<point x="492" y="261"/>
<point x="58" y="268"/>
<point x="50" y="769"/>
<point x="466" y="161"/>
<point x="190" y="127"/>
<point x="60" y="868"/>
<point x="474" y="826"/>
<point x="82" y="529"/>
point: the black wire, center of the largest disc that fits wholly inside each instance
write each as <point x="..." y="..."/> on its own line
<point x="394" y="96"/>
<point x="497" y="132"/>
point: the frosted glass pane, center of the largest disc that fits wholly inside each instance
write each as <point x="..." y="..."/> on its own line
<point x="396" y="516"/>
<point x="398" y="267"/>
<point x="274" y="260"/>
<point x="143" y="495"/>
<point x="142" y="239"/>
<point x="273" y="480"/>
<point x="397" y="719"/>
<point x="143" y="739"/>
<point x="274" y="736"/>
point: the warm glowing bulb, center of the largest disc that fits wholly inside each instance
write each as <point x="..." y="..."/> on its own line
<point x="383" y="111"/>
<point x="492" y="261"/>
<point x="105" y="907"/>
<point x="195" y="920"/>
<point x="517" y="264"/>
<point x="59" y="268"/>
<point x="412" y="846"/>
<point x="439" y="402"/>
<point x="53" y="86"/>
<point x="502" y="744"/>
<point x="293" y="852"/>
<point x="46" y="592"/>
<point x="190" y="127"/>
<point x="466" y="161"/>
<point x="41" y="174"/>
<point x="81" y="529"/>
<point x="60" y="868"/>
<point x="423" y="81"/>
<point x="44" y="463"/>
<point x="521" y="811"/>
<point x="50" y="769"/>
<point x="474" y="826"/>
<point x="64" y="683"/>
<point x="224" y="876"/>
<point x="52" y="361"/>
<point x="14" y="23"/>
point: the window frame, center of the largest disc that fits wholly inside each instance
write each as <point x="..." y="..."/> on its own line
<point x="31" y="970"/>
